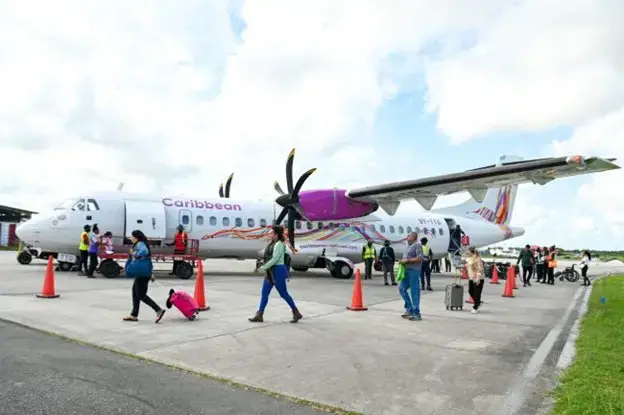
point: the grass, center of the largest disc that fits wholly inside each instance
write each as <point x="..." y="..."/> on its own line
<point x="8" y="248"/>
<point x="594" y="384"/>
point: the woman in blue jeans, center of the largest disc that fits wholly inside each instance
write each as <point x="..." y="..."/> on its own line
<point x="277" y="273"/>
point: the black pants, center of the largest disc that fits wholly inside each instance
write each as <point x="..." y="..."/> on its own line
<point x="425" y="273"/>
<point x="475" y="290"/>
<point x="551" y="275"/>
<point x="84" y="259"/>
<point x="447" y="265"/>
<point x="526" y="274"/>
<point x="139" y="293"/>
<point x="584" y="274"/>
<point x="93" y="263"/>
<point x="368" y="268"/>
<point x="539" y="272"/>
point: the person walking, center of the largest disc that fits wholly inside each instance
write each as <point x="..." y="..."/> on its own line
<point x="425" y="274"/>
<point x="276" y="275"/>
<point x="387" y="257"/>
<point x="369" y="255"/>
<point x="83" y="247"/>
<point x="141" y="258"/>
<point x="412" y="259"/>
<point x="528" y="261"/>
<point x="539" y="264"/>
<point x="476" y="277"/>
<point x="584" y="265"/>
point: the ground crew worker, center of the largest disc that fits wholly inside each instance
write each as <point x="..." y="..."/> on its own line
<point x="386" y="255"/>
<point x="83" y="247"/>
<point x="179" y="246"/>
<point x="425" y="273"/>
<point x="552" y="264"/>
<point x="369" y="255"/>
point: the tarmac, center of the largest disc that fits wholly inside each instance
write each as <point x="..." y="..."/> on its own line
<point x="501" y="360"/>
<point x="47" y="375"/>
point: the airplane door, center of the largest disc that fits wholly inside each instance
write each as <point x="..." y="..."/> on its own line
<point x="148" y="217"/>
<point x="186" y="219"/>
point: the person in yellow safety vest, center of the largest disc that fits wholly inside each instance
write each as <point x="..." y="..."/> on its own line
<point x="425" y="273"/>
<point x="83" y="247"/>
<point x="369" y="255"/>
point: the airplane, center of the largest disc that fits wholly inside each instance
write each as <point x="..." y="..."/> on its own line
<point x="326" y="228"/>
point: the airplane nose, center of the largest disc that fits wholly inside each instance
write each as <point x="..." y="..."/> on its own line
<point x="23" y="232"/>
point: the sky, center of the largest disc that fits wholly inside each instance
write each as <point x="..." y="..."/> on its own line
<point x="172" y="96"/>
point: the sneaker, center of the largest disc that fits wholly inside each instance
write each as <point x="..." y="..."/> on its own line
<point x="416" y="317"/>
<point x="473" y="311"/>
<point x="386" y="283"/>
<point x="394" y="283"/>
<point x="429" y="289"/>
<point x="406" y="315"/>
<point x="160" y="315"/>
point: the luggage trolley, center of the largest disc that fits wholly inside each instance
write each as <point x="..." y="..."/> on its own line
<point x="109" y="262"/>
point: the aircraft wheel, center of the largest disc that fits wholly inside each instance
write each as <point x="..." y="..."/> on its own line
<point x="342" y="270"/>
<point x="184" y="270"/>
<point x="65" y="266"/>
<point x="110" y="268"/>
<point x="24" y="258"/>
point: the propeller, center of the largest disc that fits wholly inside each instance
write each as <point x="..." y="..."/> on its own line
<point x="290" y="200"/>
<point x="228" y="184"/>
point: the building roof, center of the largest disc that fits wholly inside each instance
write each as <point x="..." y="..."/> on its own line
<point x="11" y="214"/>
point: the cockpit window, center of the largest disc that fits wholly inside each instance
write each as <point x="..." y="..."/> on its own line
<point x="92" y="205"/>
<point x="66" y="204"/>
<point x="79" y="206"/>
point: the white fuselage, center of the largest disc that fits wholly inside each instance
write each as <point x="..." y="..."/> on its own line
<point x="229" y="228"/>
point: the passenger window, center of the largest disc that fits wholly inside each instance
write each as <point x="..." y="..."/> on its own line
<point x="250" y="223"/>
<point x="417" y="230"/>
<point x="320" y="225"/>
<point x="433" y="231"/>
<point x="382" y="229"/>
<point x="409" y="229"/>
<point x="199" y="220"/>
<point x="213" y="221"/>
<point x="425" y="231"/>
<point x="226" y="221"/>
<point x="373" y="228"/>
<point x="92" y="205"/>
<point x="185" y="219"/>
<point x="342" y="227"/>
<point x="441" y="232"/>
<point x="263" y="223"/>
<point x="79" y="206"/>
<point x="401" y="230"/>
<point x="309" y="226"/>
<point x="238" y="222"/>
<point x="391" y="229"/>
<point x="298" y="224"/>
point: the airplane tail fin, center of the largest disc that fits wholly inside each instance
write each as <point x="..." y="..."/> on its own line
<point x="497" y="206"/>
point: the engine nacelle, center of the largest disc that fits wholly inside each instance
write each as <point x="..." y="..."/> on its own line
<point x="332" y="204"/>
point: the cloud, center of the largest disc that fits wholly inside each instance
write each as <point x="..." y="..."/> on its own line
<point x="540" y="65"/>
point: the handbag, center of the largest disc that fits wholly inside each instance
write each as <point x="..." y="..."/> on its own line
<point x="400" y="275"/>
<point x="139" y="268"/>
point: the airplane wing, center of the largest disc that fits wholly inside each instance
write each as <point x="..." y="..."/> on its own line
<point x="477" y="181"/>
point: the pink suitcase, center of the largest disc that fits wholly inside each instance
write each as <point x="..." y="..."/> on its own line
<point x="184" y="302"/>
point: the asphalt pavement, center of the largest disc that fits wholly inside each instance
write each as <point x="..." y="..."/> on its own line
<point x="43" y="374"/>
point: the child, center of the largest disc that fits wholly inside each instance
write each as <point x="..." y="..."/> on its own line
<point x="107" y="243"/>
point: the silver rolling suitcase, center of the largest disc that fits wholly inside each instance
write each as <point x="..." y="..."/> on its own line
<point x="454" y="296"/>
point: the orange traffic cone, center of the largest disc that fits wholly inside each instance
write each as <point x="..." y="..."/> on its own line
<point x="464" y="273"/>
<point x="199" y="295"/>
<point x="514" y="286"/>
<point x="508" y="290"/>
<point x="494" y="279"/>
<point x="47" y="291"/>
<point x="357" y="303"/>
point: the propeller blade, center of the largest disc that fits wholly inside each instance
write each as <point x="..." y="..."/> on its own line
<point x="221" y="190"/>
<point x="228" y="184"/>
<point x="281" y="216"/>
<point x="302" y="180"/>
<point x="291" y="229"/>
<point x="278" y="188"/>
<point x="289" y="169"/>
